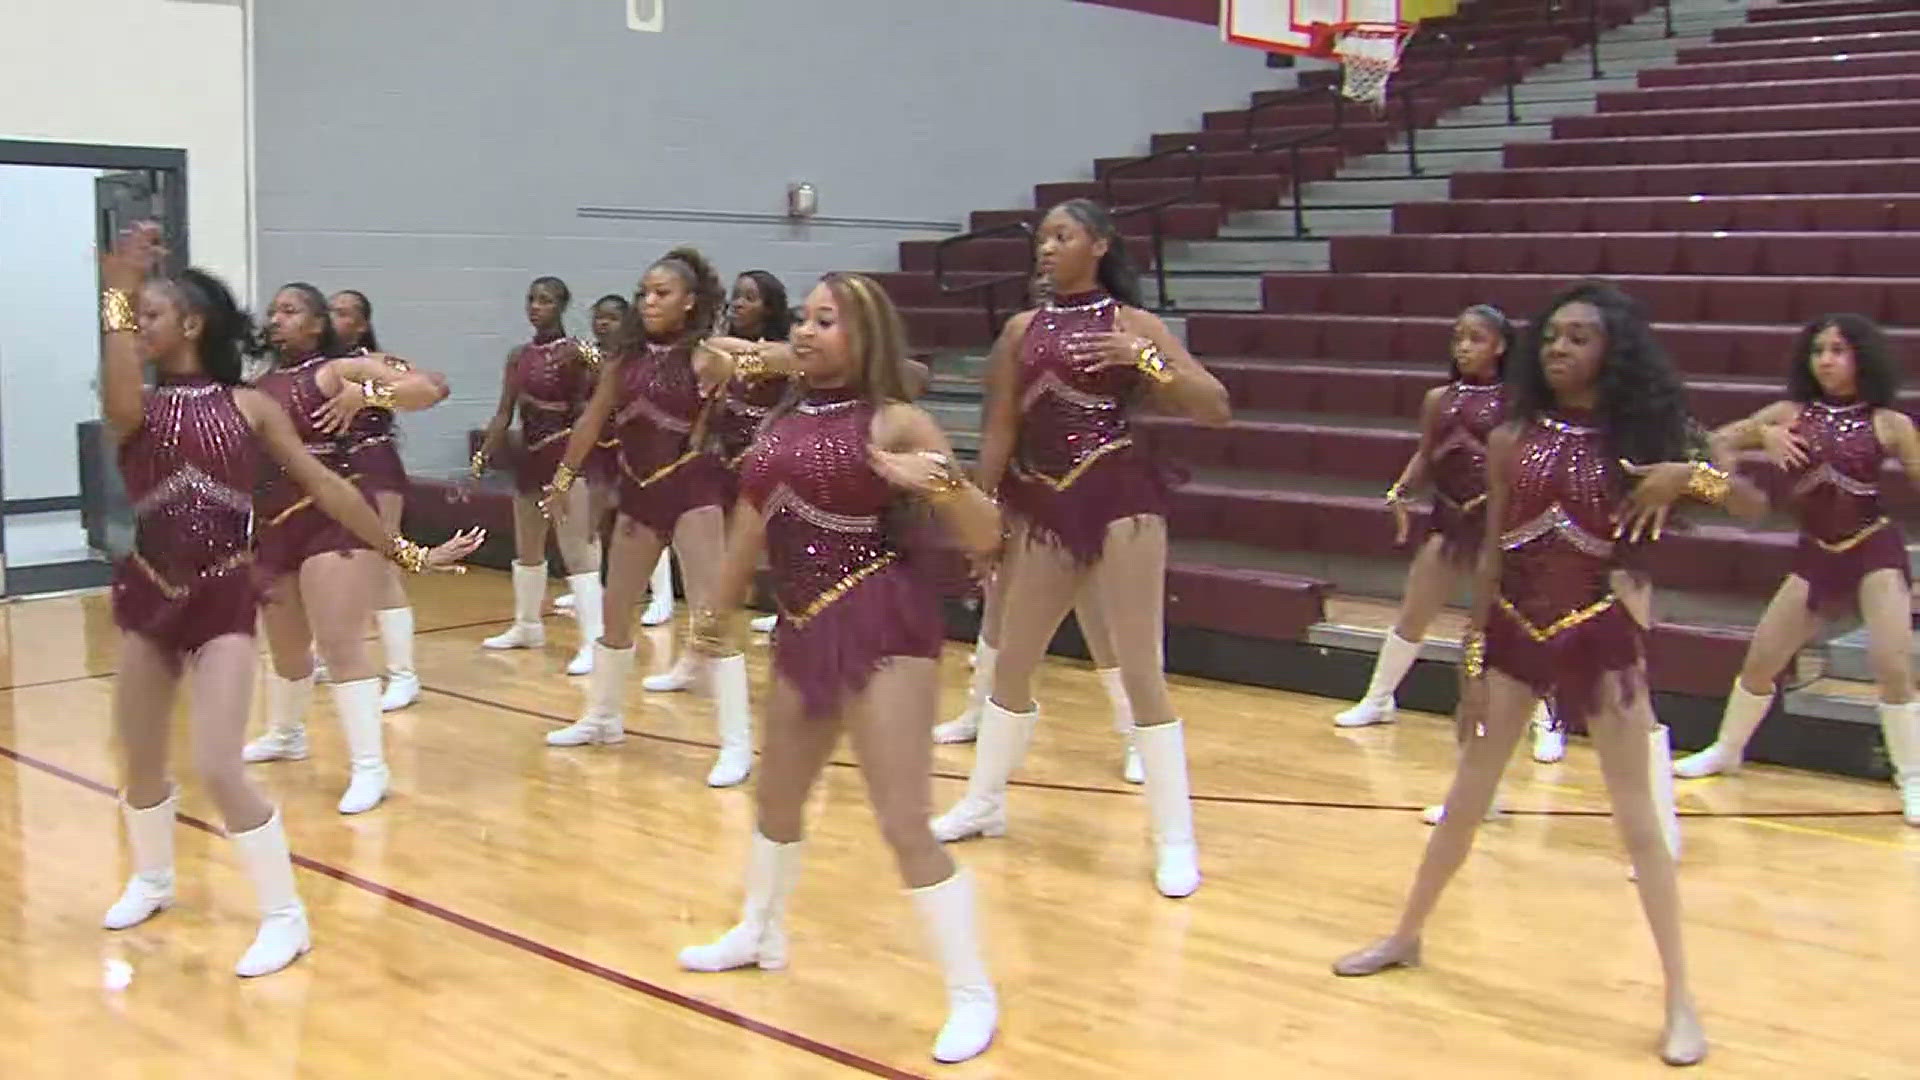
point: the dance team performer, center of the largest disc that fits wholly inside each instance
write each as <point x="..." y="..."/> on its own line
<point x="547" y="381"/>
<point x="602" y="474"/>
<point x="1834" y="434"/>
<point x="758" y="311"/>
<point x="323" y="578"/>
<point x="1586" y="467"/>
<point x="1088" y="505"/>
<point x="656" y="392"/>
<point x="1093" y="629"/>
<point x="375" y="459"/>
<point x="1455" y="422"/>
<point x="860" y="631"/>
<point x="184" y="598"/>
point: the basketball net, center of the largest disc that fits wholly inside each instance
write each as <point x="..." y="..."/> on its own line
<point x="1369" y="54"/>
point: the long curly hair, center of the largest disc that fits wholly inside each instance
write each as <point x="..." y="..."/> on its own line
<point x="1876" y="375"/>
<point x="773" y="300"/>
<point x="1642" y="406"/>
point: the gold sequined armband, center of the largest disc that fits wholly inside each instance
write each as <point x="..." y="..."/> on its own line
<point x="478" y="465"/>
<point x="378" y="395"/>
<point x="116" y="313"/>
<point x="408" y="555"/>
<point x="1152" y="362"/>
<point x="751" y="365"/>
<point x="1473" y="654"/>
<point x="563" y="477"/>
<point x="1708" y="484"/>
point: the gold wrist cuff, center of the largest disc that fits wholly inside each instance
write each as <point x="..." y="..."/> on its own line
<point x="1473" y="654"/>
<point x="378" y="395"/>
<point x="563" y="477"/>
<point x="478" y="465"/>
<point x="408" y="555"/>
<point x="1708" y="484"/>
<point x="1152" y="362"/>
<point x="751" y="365"/>
<point x="116" y="313"/>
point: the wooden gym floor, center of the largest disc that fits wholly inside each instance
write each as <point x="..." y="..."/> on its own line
<point x="513" y="911"/>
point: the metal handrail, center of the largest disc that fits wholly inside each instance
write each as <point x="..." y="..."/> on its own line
<point x="1293" y="146"/>
<point x="1407" y="94"/>
<point x="989" y="286"/>
<point x="1156" y="227"/>
<point x="1513" y="44"/>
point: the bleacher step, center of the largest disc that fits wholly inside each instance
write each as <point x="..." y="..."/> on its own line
<point x="1248" y="256"/>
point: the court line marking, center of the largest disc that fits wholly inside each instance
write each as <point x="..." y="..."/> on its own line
<point x="1199" y="797"/>
<point x="708" y="1009"/>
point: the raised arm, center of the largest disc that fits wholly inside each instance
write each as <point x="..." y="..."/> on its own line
<point x="334" y="496"/>
<point x="1000" y="427"/>
<point x="123" y="270"/>
<point x="913" y="454"/>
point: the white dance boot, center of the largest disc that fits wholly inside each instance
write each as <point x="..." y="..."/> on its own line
<point x="764" y="624"/>
<point x="660" y="603"/>
<point x="358" y="704"/>
<point x="286" y="737"/>
<point x="681" y="676"/>
<point x="1742" y="716"/>
<point x="601" y="722"/>
<point x="396" y="643"/>
<point x="973" y="1010"/>
<point x="284" y="936"/>
<point x="1549" y="739"/>
<point x="587" y="613"/>
<point x="1397" y="655"/>
<point x="966" y="727"/>
<point x="759" y="939"/>
<point x="733" y="716"/>
<point x="1163" y="750"/>
<point x="150" y="837"/>
<point x="1121" y="708"/>
<point x="1002" y="743"/>
<point x="529" y="588"/>
<point x="1901" y="726"/>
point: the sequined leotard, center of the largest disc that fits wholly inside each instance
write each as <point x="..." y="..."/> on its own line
<point x="849" y="592"/>
<point x="552" y="377"/>
<point x="656" y="413"/>
<point x="1843" y="534"/>
<point x="740" y="413"/>
<point x="1076" y="468"/>
<point x="190" y="470"/>
<point x="289" y="528"/>
<point x="372" y="452"/>
<point x="1457" y="464"/>
<point x="1557" y="624"/>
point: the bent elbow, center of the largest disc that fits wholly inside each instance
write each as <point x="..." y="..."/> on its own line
<point x="1216" y="411"/>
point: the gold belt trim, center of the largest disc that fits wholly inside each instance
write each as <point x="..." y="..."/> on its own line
<point x="305" y="501"/>
<point x="659" y="473"/>
<point x="1463" y="507"/>
<point x="1067" y="480"/>
<point x="1853" y="541"/>
<point x="607" y="444"/>
<point x="835" y="591"/>
<point x="174" y="592"/>
<point x="1562" y="624"/>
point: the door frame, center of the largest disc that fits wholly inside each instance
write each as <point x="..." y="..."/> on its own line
<point x="102" y="156"/>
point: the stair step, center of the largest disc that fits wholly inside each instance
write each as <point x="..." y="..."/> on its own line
<point x="1256" y="224"/>
<point x="1484" y="137"/>
<point x="1248" y="255"/>
<point x="1442" y="163"/>
<point x="1373" y="191"/>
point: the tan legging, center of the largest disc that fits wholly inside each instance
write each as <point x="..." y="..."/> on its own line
<point x="1087" y="612"/>
<point x="1619" y="732"/>
<point x="220" y="683"/>
<point x="574" y="534"/>
<point x="891" y="722"/>
<point x="1128" y="583"/>
<point x="1787" y="625"/>
<point x="327" y="605"/>
<point x="699" y="540"/>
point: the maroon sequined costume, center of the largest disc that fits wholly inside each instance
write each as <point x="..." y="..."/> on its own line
<point x="552" y="378"/>
<point x="372" y="452"/>
<point x="190" y="470"/>
<point x="1457" y="465"/>
<point x="662" y="473"/>
<point x="289" y="528"/>
<point x="1076" y="466"/>
<point x="850" y="592"/>
<point x="1556" y="623"/>
<point x="741" y="412"/>
<point x="1843" y="534"/>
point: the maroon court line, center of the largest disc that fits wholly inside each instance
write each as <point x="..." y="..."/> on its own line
<point x="1224" y="800"/>
<point x="507" y="937"/>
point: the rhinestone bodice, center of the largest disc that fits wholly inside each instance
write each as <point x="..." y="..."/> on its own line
<point x="1457" y="455"/>
<point x="190" y="471"/>
<point x="1837" y="493"/>
<point x="1556" y="537"/>
<point x="1070" y="416"/>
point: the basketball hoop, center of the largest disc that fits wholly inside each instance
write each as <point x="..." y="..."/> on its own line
<point x="1369" y="54"/>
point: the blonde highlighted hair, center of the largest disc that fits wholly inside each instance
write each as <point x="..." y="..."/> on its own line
<point x="876" y="336"/>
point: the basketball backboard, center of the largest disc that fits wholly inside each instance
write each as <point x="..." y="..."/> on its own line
<point x="1287" y="25"/>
